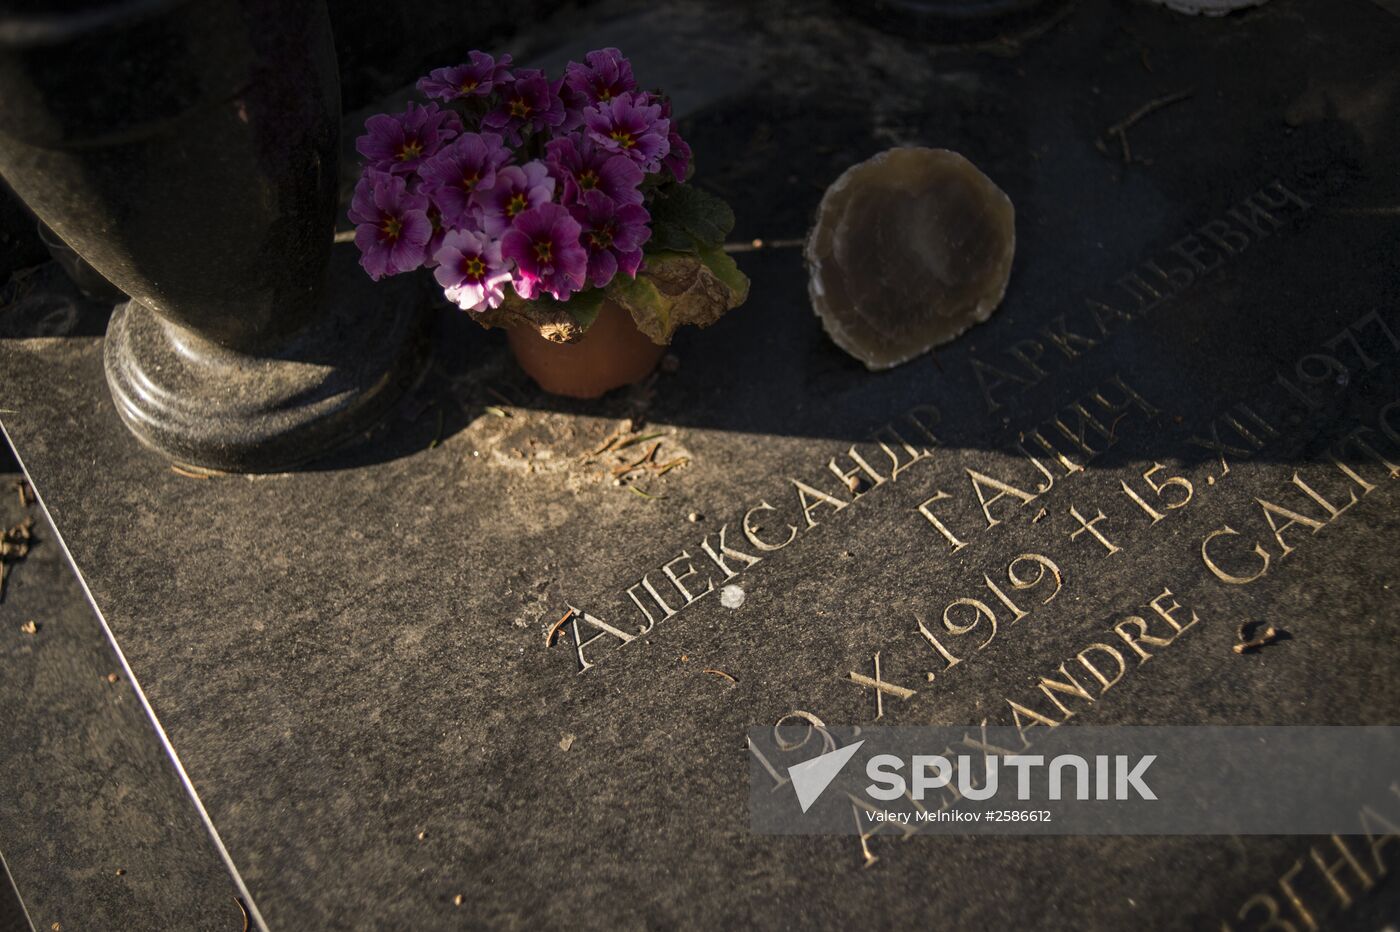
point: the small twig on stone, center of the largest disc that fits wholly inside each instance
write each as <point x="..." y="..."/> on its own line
<point x="555" y="628"/>
<point x="757" y="244"/>
<point x="721" y="673"/>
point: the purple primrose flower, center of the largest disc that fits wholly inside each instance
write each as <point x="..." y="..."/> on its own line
<point x="529" y="103"/>
<point x="632" y="127"/>
<point x="583" y="167"/>
<point x="544" y="244"/>
<point x="677" y="161"/>
<point x="605" y="75"/>
<point x="507" y="178"/>
<point x="398" y="142"/>
<point x="392" y="228"/>
<point x="517" y="188"/>
<point x="471" y="270"/>
<point x="476" y="78"/>
<point x="435" y="240"/>
<point x="461" y="168"/>
<point x="613" y="235"/>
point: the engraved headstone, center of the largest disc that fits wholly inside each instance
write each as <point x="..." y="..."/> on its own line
<point x="495" y="665"/>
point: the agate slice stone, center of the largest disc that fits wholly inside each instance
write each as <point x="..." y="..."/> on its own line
<point x="910" y="248"/>
<point x="1210" y="7"/>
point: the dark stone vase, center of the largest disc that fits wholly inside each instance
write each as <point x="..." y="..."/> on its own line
<point x="187" y="149"/>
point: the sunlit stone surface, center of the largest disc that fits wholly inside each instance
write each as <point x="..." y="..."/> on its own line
<point x="911" y="247"/>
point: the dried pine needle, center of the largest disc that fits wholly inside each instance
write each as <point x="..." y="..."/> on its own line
<point x="640" y="438"/>
<point x="663" y="468"/>
<point x="647" y="457"/>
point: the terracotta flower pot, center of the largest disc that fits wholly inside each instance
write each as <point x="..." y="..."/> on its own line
<point x="611" y="354"/>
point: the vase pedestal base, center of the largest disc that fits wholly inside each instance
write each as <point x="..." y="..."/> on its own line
<point x="215" y="408"/>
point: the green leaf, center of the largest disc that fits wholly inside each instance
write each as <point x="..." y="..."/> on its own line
<point x="642" y="299"/>
<point x="667" y="236"/>
<point x="675" y="289"/>
<point x="700" y="214"/>
<point x="584" y="306"/>
<point x="723" y="267"/>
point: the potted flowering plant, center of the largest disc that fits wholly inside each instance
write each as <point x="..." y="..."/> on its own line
<point x="557" y="209"/>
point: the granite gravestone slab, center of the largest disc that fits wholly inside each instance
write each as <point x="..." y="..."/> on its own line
<point x="1198" y="346"/>
<point x="97" y="827"/>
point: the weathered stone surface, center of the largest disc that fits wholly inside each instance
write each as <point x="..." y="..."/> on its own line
<point x="352" y="658"/>
<point x="910" y="248"/>
<point x="96" y="827"/>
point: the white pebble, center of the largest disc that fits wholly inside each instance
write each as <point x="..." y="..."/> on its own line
<point x="731" y="597"/>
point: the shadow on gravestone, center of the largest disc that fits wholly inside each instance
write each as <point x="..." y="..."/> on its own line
<point x="769" y="370"/>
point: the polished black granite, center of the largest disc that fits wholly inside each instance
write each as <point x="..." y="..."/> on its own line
<point x="351" y="659"/>
<point x="97" y="828"/>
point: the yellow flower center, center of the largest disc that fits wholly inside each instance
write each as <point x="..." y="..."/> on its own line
<point x="391" y="228"/>
<point x="519" y="108"/>
<point x="588" y="179"/>
<point x="515" y="205"/>
<point x="623" y="138"/>
<point x="469" y="86"/>
<point x="469" y="182"/>
<point x="544" y="252"/>
<point x="411" y="149"/>
<point x="473" y="267"/>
